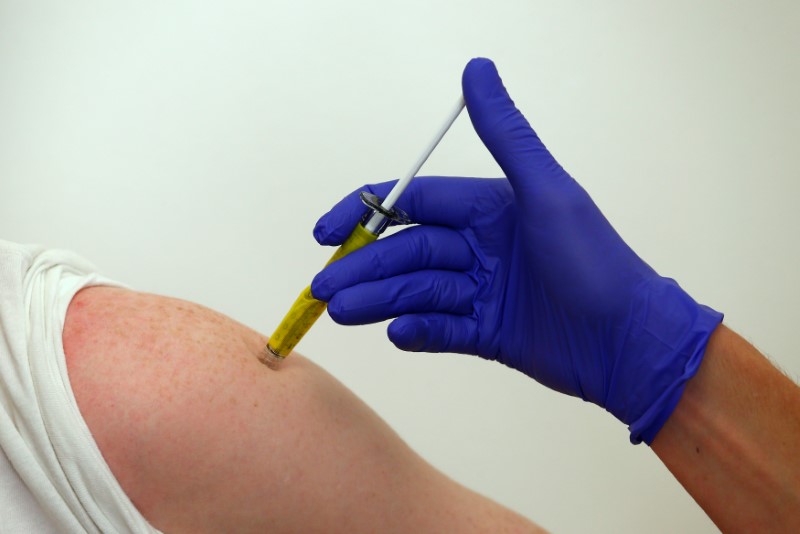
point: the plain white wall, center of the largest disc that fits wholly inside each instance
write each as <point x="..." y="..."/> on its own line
<point x="188" y="148"/>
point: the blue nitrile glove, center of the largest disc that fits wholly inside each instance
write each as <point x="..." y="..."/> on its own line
<point x="525" y="271"/>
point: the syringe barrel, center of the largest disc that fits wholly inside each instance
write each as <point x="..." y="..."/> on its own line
<point x="306" y="309"/>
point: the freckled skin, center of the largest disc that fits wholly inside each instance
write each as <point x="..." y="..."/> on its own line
<point x="205" y="438"/>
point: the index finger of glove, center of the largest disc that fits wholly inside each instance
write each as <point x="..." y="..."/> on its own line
<point x="439" y="201"/>
<point x="413" y="249"/>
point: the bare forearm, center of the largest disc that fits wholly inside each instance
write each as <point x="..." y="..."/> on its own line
<point x="734" y="439"/>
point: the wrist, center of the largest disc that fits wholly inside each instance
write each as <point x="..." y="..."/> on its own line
<point x="664" y="344"/>
<point x="732" y="441"/>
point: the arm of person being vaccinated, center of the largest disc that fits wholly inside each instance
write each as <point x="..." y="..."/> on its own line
<point x="202" y="437"/>
<point x="527" y="271"/>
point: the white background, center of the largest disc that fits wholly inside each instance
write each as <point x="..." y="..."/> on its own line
<point x="188" y="148"/>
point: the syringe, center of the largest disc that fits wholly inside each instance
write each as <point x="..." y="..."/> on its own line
<point x="306" y="309"/>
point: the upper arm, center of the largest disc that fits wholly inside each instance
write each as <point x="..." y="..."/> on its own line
<point x="203" y="437"/>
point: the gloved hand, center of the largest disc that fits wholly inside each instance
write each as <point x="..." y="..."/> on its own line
<point x="525" y="271"/>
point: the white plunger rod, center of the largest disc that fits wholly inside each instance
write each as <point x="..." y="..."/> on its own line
<point x="377" y="218"/>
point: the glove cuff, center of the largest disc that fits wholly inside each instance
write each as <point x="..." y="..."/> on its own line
<point x="665" y="345"/>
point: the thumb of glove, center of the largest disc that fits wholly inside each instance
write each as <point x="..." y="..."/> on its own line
<point x="505" y="131"/>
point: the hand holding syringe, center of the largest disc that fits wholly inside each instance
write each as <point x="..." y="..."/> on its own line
<point x="306" y="309"/>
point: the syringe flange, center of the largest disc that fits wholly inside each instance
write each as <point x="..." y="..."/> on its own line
<point x="394" y="215"/>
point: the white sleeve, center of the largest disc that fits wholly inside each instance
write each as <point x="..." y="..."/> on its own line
<point x="45" y="440"/>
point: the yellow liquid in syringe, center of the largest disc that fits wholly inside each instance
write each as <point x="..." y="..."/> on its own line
<point x="306" y="309"/>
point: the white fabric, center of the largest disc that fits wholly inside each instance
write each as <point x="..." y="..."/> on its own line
<point x="53" y="477"/>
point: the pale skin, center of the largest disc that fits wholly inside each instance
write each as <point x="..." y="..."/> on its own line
<point x="204" y="438"/>
<point x="734" y="439"/>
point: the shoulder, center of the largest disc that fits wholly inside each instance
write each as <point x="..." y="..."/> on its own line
<point x="203" y="437"/>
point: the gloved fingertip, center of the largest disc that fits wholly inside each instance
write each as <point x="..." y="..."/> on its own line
<point x="502" y="127"/>
<point x="324" y="234"/>
<point x="337" y="310"/>
<point x="319" y="232"/>
<point x="480" y="79"/>
<point x="478" y="63"/>
<point x="407" y="334"/>
<point x="320" y="287"/>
